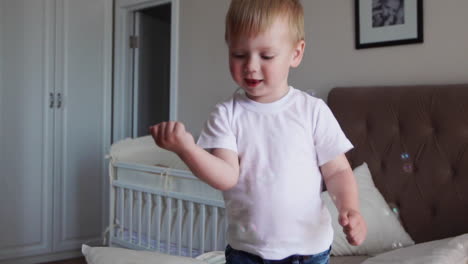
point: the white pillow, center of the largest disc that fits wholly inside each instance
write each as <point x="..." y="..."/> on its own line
<point x="213" y="257"/>
<point x="445" y="251"/>
<point x="384" y="231"/>
<point x="110" y="255"/>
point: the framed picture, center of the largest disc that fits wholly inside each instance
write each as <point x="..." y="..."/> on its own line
<point x="388" y="22"/>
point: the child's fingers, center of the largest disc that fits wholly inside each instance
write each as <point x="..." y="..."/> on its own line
<point x="354" y="227"/>
<point x="154" y="131"/>
<point x="179" y="128"/>
<point x="169" y="129"/>
<point x="161" y="132"/>
<point x="355" y="239"/>
<point x="352" y="231"/>
<point x="350" y="239"/>
<point x="343" y="219"/>
<point x="353" y="221"/>
<point x="357" y="234"/>
<point x="353" y="236"/>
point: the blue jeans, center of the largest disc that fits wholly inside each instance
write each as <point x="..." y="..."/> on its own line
<point x="234" y="256"/>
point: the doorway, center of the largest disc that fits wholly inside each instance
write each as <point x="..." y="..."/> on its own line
<point x="145" y="65"/>
<point x="152" y="60"/>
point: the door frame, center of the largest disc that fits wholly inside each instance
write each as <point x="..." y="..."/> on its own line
<point x="123" y="63"/>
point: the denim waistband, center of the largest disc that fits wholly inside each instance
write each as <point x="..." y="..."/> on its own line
<point x="287" y="260"/>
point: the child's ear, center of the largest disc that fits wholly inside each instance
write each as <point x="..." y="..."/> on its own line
<point x="298" y="53"/>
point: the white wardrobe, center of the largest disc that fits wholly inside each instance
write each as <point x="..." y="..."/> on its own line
<point x="55" y="118"/>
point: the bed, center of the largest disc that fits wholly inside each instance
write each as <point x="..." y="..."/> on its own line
<point x="415" y="142"/>
<point x="412" y="139"/>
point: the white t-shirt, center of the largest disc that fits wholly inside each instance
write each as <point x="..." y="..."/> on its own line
<point x="275" y="210"/>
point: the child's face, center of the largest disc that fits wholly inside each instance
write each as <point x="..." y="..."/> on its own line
<point x="260" y="64"/>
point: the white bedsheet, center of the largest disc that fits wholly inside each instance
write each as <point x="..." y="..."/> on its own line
<point x="213" y="257"/>
<point x="445" y="251"/>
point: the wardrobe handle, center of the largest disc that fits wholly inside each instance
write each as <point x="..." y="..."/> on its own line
<point x="59" y="100"/>
<point x="51" y="100"/>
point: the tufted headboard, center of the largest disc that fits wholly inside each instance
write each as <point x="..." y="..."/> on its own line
<point x="415" y="141"/>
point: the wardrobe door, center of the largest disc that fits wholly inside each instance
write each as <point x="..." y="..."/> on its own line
<point x="81" y="51"/>
<point x="26" y="122"/>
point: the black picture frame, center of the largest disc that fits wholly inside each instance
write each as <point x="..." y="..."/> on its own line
<point x="373" y="29"/>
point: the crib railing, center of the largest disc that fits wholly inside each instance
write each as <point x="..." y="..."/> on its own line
<point x="169" y="222"/>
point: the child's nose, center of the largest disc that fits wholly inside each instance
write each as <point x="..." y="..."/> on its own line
<point x="251" y="65"/>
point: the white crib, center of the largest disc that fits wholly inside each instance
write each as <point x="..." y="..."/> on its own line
<point x="157" y="204"/>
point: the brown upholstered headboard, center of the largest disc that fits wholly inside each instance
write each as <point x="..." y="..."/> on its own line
<point x="415" y="141"/>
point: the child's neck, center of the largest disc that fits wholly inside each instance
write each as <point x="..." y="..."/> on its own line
<point x="270" y="98"/>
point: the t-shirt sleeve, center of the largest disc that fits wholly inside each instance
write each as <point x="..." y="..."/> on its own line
<point x="217" y="132"/>
<point x="330" y="140"/>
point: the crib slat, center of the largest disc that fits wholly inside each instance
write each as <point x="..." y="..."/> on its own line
<point x="158" y="223"/>
<point x="139" y="217"/>
<point x="214" y="216"/>
<point x="179" y="226"/>
<point x="130" y="224"/>
<point x="169" y="223"/>
<point x="122" y="212"/>
<point x="190" y="208"/>
<point x="202" y="228"/>
<point x="113" y="208"/>
<point x="149" y="206"/>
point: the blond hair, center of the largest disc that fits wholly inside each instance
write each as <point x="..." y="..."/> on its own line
<point x="252" y="17"/>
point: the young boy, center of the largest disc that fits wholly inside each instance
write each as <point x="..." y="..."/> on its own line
<point x="270" y="147"/>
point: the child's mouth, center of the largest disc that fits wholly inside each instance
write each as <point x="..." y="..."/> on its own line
<point x="252" y="82"/>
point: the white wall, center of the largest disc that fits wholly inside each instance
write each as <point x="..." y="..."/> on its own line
<point x="204" y="77"/>
<point x="330" y="58"/>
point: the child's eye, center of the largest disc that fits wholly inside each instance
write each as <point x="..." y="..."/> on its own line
<point x="238" y="55"/>
<point x="266" y="57"/>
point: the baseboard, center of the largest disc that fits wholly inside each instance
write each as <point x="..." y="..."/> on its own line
<point x="43" y="258"/>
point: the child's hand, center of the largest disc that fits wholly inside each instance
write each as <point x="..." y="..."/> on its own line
<point x="172" y="136"/>
<point x="354" y="226"/>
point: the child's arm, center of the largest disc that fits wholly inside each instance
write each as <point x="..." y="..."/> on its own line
<point x="342" y="187"/>
<point x="219" y="169"/>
